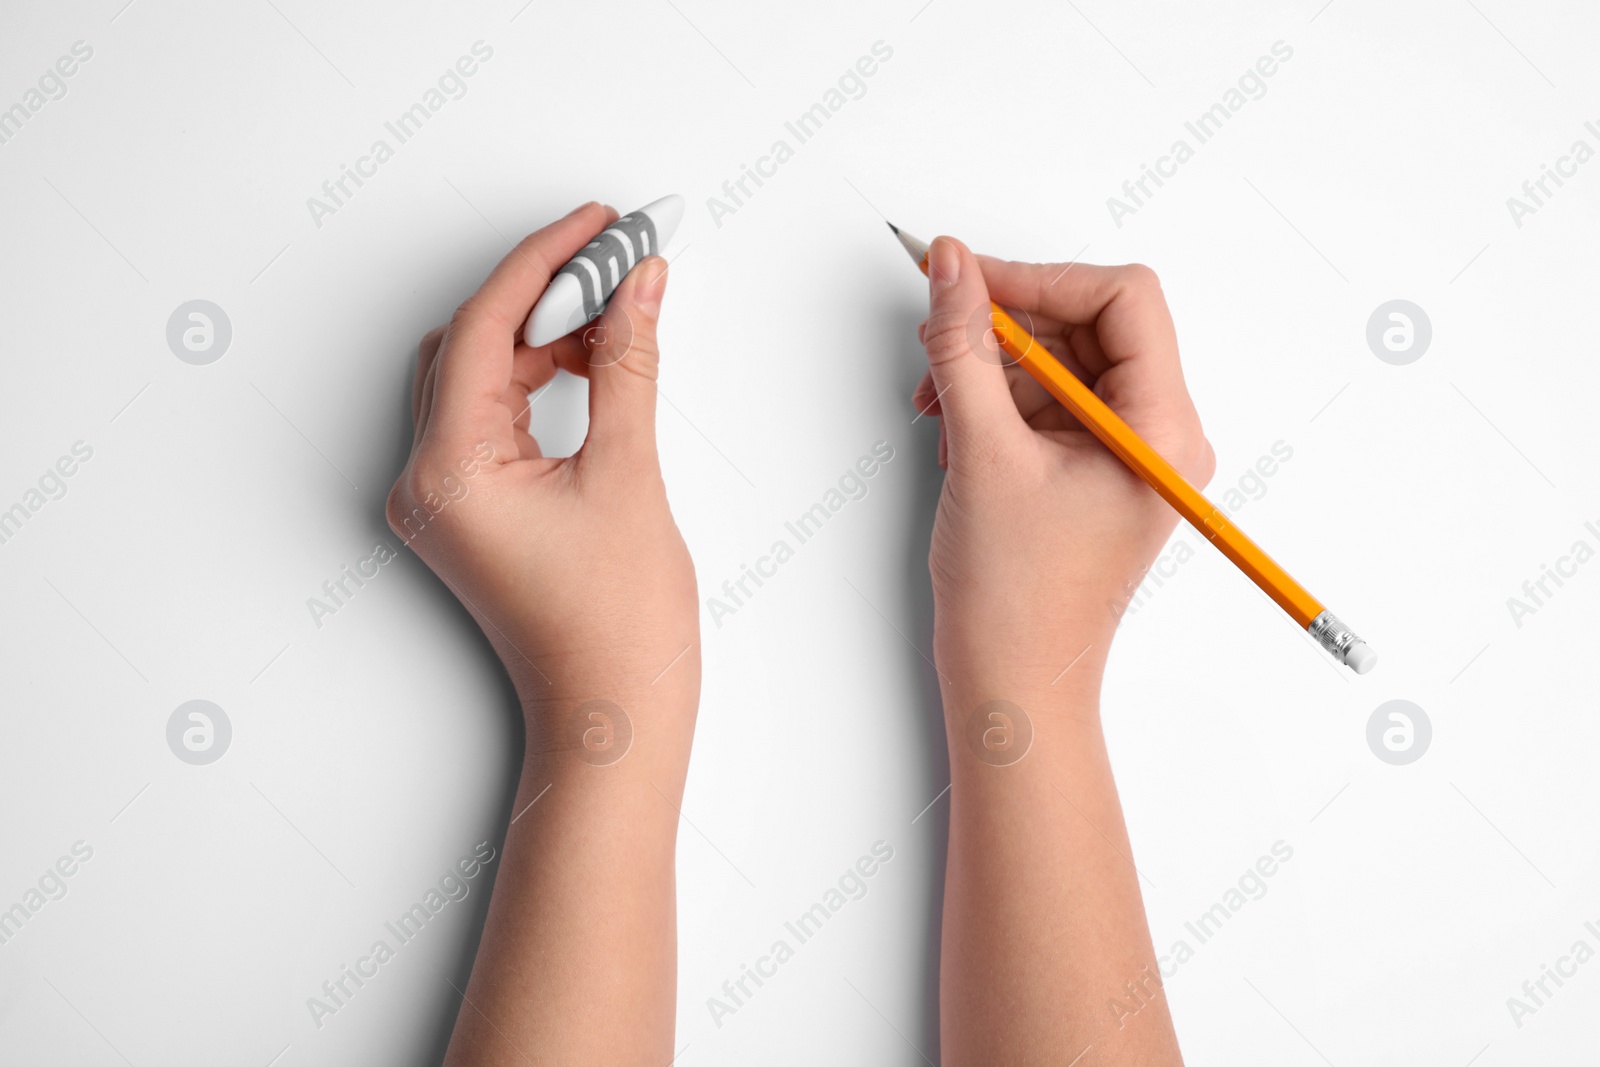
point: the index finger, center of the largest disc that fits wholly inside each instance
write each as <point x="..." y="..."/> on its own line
<point x="1124" y="304"/>
<point x="474" y="366"/>
<point x="1117" y="324"/>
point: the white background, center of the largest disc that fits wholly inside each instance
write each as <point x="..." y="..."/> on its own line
<point x="372" y="752"/>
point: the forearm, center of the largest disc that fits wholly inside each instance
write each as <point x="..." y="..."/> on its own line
<point x="1043" y="919"/>
<point x="580" y="579"/>
<point x="581" y="928"/>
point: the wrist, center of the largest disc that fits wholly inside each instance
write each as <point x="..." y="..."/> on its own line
<point x="604" y="718"/>
<point x="992" y="723"/>
<point x="1022" y="653"/>
<point x="556" y="667"/>
<point x="1028" y="684"/>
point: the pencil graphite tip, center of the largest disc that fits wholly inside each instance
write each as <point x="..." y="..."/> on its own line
<point x="915" y="248"/>
<point x="892" y="227"/>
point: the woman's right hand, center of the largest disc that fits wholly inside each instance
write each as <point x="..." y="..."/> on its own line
<point x="1040" y="528"/>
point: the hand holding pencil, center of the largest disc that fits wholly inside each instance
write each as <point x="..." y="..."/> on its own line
<point x="1100" y="355"/>
<point x="1039" y="525"/>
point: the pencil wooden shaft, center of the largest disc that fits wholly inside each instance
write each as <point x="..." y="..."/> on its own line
<point x="1149" y="464"/>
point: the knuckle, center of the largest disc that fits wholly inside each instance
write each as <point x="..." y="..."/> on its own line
<point x="397" y="505"/>
<point x="1206" y="466"/>
<point x="1141" y="277"/>
<point x="420" y="497"/>
<point x="419" y="479"/>
<point x="530" y="245"/>
<point x="464" y="315"/>
<point x="1186" y="445"/>
<point x="1047" y="278"/>
<point x="626" y="342"/>
<point x="944" y="335"/>
<point x="642" y="358"/>
<point x="474" y="311"/>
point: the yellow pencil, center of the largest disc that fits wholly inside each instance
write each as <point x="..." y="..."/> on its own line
<point x="1306" y="610"/>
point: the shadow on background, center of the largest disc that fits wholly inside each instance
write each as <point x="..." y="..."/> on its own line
<point x="443" y="609"/>
<point x="900" y="365"/>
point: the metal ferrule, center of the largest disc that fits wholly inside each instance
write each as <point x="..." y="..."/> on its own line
<point x="1333" y="635"/>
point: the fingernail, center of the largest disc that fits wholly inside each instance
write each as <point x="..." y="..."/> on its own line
<point x="652" y="284"/>
<point x="944" y="264"/>
<point x="579" y="209"/>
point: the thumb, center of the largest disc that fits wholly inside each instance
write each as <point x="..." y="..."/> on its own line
<point x="624" y="363"/>
<point x="967" y="367"/>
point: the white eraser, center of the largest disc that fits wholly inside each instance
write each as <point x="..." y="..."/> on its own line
<point x="579" y="291"/>
<point x="1360" y="658"/>
<point x="558" y="312"/>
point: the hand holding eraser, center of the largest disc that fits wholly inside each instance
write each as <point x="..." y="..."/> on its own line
<point x="579" y="291"/>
